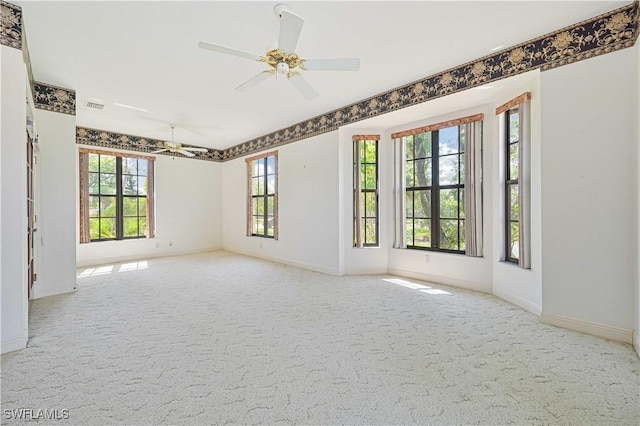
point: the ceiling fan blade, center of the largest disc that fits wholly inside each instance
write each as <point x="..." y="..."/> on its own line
<point x="228" y="51"/>
<point x="344" y="64"/>
<point x="290" y="28"/>
<point x="193" y="149"/>
<point x="303" y="86"/>
<point x="255" y="80"/>
<point x="187" y="153"/>
<point x="160" y="150"/>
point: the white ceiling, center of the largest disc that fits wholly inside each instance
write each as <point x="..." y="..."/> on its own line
<point x="144" y="54"/>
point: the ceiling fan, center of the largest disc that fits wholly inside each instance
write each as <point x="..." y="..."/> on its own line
<point x="283" y="60"/>
<point x="176" y="147"/>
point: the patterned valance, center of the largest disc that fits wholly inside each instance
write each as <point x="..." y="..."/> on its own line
<point x="106" y="139"/>
<point x="615" y="30"/>
<point x="513" y="102"/>
<point x="366" y="137"/>
<point x="438" y="126"/>
<point x="54" y="98"/>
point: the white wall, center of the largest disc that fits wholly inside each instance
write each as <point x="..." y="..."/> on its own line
<point x="57" y="205"/>
<point x="522" y="287"/>
<point x="307" y="207"/>
<point x="446" y="268"/>
<point x="364" y="260"/>
<point x="188" y="215"/>
<point x="636" y="339"/>
<point x="13" y="219"/>
<point x="589" y="190"/>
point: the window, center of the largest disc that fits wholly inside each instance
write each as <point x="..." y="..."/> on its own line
<point x="434" y="175"/>
<point x="263" y="195"/>
<point x="512" y="204"/>
<point x="116" y="197"/>
<point x="515" y="134"/>
<point x="365" y="191"/>
<point x="438" y="187"/>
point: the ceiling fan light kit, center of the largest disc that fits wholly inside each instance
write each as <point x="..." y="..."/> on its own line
<point x="283" y="60"/>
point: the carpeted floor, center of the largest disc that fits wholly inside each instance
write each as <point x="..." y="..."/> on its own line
<point x="220" y="338"/>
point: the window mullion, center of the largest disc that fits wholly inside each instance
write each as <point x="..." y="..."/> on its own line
<point x="119" y="200"/>
<point x="435" y="190"/>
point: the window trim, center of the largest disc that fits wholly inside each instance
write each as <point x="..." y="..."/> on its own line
<point x="508" y="183"/>
<point x="249" y="162"/>
<point x="359" y="234"/>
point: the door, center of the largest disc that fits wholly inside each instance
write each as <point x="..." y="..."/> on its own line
<point x="31" y="276"/>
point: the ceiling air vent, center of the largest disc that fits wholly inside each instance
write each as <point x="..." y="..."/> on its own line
<point x="94" y="105"/>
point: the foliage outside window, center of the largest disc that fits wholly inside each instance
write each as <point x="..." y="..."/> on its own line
<point x="118" y="190"/>
<point x="434" y="189"/>
<point x="365" y="192"/>
<point x="512" y="204"/>
<point x="263" y="186"/>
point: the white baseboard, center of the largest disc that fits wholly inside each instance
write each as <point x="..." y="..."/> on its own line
<point x="600" y="330"/>
<point x="519" y="301"/>
<point x="636" y="342"/>
<point x="40" y="293"/>
<point x="367" y="271"/>
<point x="150" y="255"/>
<point x="14" y="344"/>
<point x="441" y="280"/>
<point x="302" y="265"/>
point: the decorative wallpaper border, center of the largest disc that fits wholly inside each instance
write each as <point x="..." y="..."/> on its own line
<point x="11" y="25"/>
<point x="106" y="139"/>
<point x="614" y="30"/>
<point x="54" y="98"/>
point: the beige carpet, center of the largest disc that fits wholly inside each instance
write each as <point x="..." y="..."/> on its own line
<point x="220" y="338"/>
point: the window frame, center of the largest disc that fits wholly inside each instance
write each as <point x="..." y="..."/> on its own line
<point x="360" y="228"/>
<point x="119" y="196"/>
<point x="265" y="196"/>
<point x="509" y="183"/>
<point x="434" y="190"/>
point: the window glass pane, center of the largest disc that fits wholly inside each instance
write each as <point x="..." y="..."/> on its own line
<point x="423" y="173"/>
<point x="514" y="205"/>
<point x="463" y="137"/>
<point x="258" y="168"/>
<point x="129" y="185"/>
<point x="271" y="221"/>
<point x="130" y="226"/>
<point x="271" y="165"/>
<point x="449" y="203"/>
<point x="462" y="168"/>
<point x="271" y="184"/>
<point x="463" y="240"/>
<point x="409" y="231"/>
<point x="259" y="206"/>
<point x="129" y="166"/>
<point x="370" y="151"/>
<point x="370" y="231"/>
<point x="423" y="145"/>
<point x="514" y="125"/>
<point x="107" y="183"/>
<point x="449" y="234"/>
<point x="130" y="206"/>
<point x="370" y="204"/>
<point x="422" y="204"/>
<point x="271" y="206"/>
<point x="422" y="233"/>
<point x="449" y="170"/>
<point x="142" y="186"/>
<point x="409" y="182"/>
<point x="142" y="226"/>
<point x="259" y="225"/>
<point x="108" y="206"/>
<point x="514" y="238"/>
<point x="254" y="224"/>
<point x="461" y="205"/>
<point x="409" y="204"/>
<point x="94" y="163"/>
<point x="107" y="164"/>
<point x="108" y="228"/>
<point x="142" y="206"/>
<point x="448" y="140"/>
<point x="94" y="206"/>
<point x="94" y="183"/>
<point x="94" y="228"/>
<point x="408" y="146"/>
<point x="142" y="167"/>
<point x="513" y="161"/>
<point x="370" y="176"/>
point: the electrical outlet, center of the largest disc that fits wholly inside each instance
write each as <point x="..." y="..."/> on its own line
<point x="170" y="243"/>
<point x="427" y="258"/>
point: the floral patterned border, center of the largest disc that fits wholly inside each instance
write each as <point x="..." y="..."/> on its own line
<point x="54" y="98"/>
<point x="615" y="30"/>
<point x="106" y="139"/>
<point x="11" y="27"/>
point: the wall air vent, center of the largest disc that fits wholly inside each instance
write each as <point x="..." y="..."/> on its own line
<point x="93" y="105"/>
